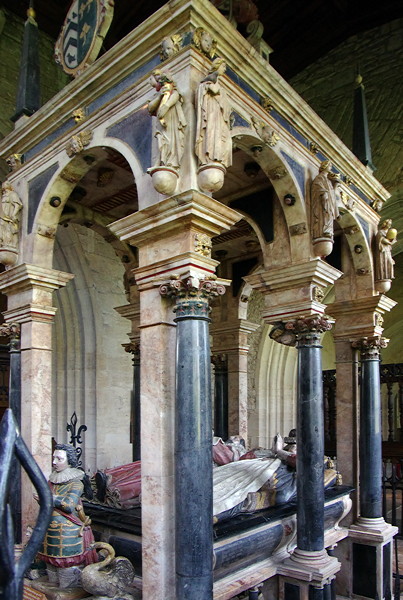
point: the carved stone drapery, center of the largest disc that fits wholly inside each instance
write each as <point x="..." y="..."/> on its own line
<point x="10" y="217"/>
<point x="323" y="209"/>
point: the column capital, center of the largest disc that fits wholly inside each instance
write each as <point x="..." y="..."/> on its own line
<point x="304" y="329"/>
<point x="294" y="290"/>
<point x="13" y="331"/>
<point x="370" y="347"/>
<point x="133" y="348"/>
<point x="193" y="294"/>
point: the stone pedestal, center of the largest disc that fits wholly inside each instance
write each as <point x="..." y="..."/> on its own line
<point x="372" y="554"/>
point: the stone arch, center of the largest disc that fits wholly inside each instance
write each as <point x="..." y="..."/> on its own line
<point x="357" y="260"/>
<point x="274" y="164"/>
<point x="53" y="201"/>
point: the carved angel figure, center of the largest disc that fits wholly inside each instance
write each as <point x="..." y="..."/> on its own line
<point x="385" y="238"/>
<point x="323" y="203"/>
<point x="167" y="107"/>
<point x="213" y="136"/>
<point x="11" y="207"/>
<point x="170" y="45"/>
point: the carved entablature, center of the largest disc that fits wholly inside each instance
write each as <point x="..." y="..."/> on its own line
<point x="370" y="347"/>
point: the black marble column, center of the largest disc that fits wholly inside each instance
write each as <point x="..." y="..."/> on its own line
<point x="370" y="428"/>
<point x="14" y="395"/>
<point x="193" y="439"/>
<point x="310" y="434"/>
<point x="220" y="363"/>
<point x="135" y="411"/>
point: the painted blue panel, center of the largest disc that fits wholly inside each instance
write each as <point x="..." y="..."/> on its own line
<point x="298" y="170"/>
<point x="36" y="188"/>
<point x="43" y="144"/>
<point x="135" y="130"/>
<point x="125" y="83"/>
<point x="289" y="127"/>
<point x="238" y="121"/>
<point x="242" y="84"/>
<point x="364" y="226"/>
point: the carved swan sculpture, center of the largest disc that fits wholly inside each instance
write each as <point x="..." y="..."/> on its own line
<point x="112" y="577"/>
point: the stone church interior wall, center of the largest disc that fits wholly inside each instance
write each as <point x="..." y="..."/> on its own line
<point x="93" y="375"/>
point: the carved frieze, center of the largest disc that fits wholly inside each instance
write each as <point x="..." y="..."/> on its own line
<point x="78" y="142"/>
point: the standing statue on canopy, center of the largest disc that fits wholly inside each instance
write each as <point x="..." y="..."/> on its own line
<point x="213" y="135"/>
<point x="385" y="238"/>
<point x="323" y="203"/>
<point x="167" y="107"/>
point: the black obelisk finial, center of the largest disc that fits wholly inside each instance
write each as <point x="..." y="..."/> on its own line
<point x="28" y="94"/>
<point x="361" y="141"/>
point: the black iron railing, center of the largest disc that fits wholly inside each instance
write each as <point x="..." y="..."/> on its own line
<point x="12" y="448"/>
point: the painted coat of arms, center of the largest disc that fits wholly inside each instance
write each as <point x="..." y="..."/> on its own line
<point x="82" y="34"/>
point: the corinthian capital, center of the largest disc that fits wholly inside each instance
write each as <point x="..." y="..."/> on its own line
<point x="370" y="347"/>
<point x="192" y="295"/>
<point x="290" y="332"/>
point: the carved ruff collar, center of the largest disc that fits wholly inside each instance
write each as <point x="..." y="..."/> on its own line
<point x="66" y="475"/>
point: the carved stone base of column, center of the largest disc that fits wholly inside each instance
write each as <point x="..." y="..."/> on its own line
<point x="372" y="551"/>
<point x="373" y="530"/>
<point x="315" y="566"/>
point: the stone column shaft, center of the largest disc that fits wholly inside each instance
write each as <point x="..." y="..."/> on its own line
<point x="221" y="397"/>
<point x="310" y="440"/>
<point x="370" y="430"/>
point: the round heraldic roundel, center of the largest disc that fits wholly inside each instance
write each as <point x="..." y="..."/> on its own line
<point x="82" y="34"/>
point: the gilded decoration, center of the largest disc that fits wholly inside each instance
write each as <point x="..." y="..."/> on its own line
<point x="266" y="133"/>
<point x="78" y="142"/>
<point x="204" y="42"/>
<point x="166" y="106"/>
<point x="267" y="104"/>
<point x="377" y="204"/>
<point x="170" y="46"/>
<point x="348" y="202"/>
<point x="14" y="162"/>
<point x="79" y="115"/>
<point x="10" y="217"/>
<point x="203" y="244"/>
<point x="313" y="148"/>
<point x="318" y="293"/>
<point x="370" y="347"/>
